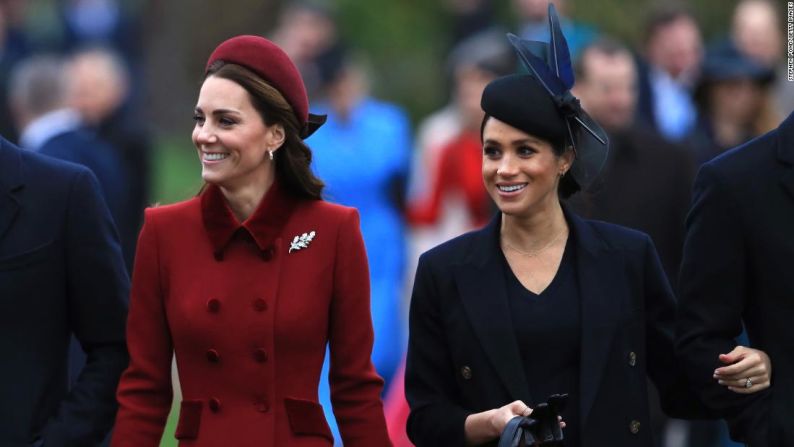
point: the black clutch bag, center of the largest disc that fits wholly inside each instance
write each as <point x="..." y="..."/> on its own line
<point x="542" y="427"/>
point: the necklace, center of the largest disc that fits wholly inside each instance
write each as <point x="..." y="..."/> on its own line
<point x="537" y="251"/>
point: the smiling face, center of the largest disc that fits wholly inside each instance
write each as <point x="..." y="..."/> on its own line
<point x="231" y="137"/>
<point x="520" y="172"/>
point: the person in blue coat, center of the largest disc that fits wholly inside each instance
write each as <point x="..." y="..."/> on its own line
<point x="61" y="273"/>
<point x="362" y="154"/>
<point x="541" y="302"/>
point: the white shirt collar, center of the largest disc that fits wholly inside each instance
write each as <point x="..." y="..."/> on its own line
<point x="47" y="126"/>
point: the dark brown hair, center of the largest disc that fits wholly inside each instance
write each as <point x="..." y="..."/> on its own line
<point x="293" y="159"/>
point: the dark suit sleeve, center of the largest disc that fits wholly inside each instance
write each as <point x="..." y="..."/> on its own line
<point x="713" y="288"/>
<point x="435" y="419"/>
<point x="676" y="395"/>
<point x="97" y="289"/>
<point x="355" y="385"/>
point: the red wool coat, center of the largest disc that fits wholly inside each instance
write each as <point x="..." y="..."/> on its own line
<point x="248" y="315"/>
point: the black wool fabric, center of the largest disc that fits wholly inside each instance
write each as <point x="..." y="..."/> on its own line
<point x="548" y="332"/>
<point x="520" y="101"/>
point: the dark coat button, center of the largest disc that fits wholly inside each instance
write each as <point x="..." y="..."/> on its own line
<point x="632" y="358"/>
<point x="634" y="427"/>
<point x="466" y="372"/>
<point x="213" y="356"/>
<point x="260" y="355"/>
<point x="268" y="253"/>
<point x="213" y="305"/>
<point x="260" y="305"/>
<point x="261" y="405"/>
<point x="215" y="404"/>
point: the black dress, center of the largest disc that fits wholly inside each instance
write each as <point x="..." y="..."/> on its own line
<point x="547" y="328"/>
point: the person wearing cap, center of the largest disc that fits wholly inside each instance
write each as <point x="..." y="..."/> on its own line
<point x="540" y="301"/>
<point x="248" y="283"/>
<point x="733" y="97"/>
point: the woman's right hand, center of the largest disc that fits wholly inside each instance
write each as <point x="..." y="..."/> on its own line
<point x="488" y="425"/>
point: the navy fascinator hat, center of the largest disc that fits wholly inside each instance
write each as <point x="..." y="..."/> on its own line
<point x="540" y="103"/>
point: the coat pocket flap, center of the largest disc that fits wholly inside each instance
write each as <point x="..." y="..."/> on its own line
<point x="189" y="419"/>
<point x="307" y="418"/>
<point x="19" y="260"/>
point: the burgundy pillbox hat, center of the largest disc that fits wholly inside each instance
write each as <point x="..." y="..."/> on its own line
<point x="267" y="60"/>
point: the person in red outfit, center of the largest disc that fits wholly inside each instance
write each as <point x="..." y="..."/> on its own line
<point x="250" y="281"/>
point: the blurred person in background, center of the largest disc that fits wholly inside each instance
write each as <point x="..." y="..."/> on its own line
<point x="305" y="29"/>
<point x="363" y="155"/>
<point x="733" y="94"/>
<point x="95" y="22"/>
<point x="673" y="51"/>
<point x="99" y="89"/>
<point x="249" y="283"/>
<point x="454" y="199"/>
<point x="646" y="181"/>
<point x="14" y="47"/>
<point x="48" y="125"/>
<point x="757" y="32"/>
<point x="534" y="25"/>
<point x="468" y="18"/>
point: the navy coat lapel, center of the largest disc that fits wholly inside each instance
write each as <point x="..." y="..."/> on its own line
<point x="10" y="184"/>
<point x="481" y="284"/>
<point x="599" y="289"/>
<point x="785" y="152"/>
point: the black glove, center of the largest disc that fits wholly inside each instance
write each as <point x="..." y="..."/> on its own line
<point x="542" y="427"/>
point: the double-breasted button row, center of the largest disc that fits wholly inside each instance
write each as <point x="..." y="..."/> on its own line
<point x="632" y="358"/>
<point x="214" y="305"/>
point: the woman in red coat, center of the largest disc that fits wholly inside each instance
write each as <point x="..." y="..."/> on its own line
<point x="248" y="282"/>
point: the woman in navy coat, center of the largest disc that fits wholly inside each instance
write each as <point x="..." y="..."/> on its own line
<point x="540" y="301"/>
<point x="250" y="281"/>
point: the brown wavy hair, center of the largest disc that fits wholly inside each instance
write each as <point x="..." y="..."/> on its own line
<point x="293" y="159"/>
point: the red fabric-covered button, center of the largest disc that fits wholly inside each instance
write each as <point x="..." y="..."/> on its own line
<point x="260" y="305"/>
<point x="213" y="305"/>
<point x="213" y="356"/>
<point x="260" y="355"/>
<point x="215" y="404"/>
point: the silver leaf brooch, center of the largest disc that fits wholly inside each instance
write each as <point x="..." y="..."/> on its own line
<point x="301" y="241"/>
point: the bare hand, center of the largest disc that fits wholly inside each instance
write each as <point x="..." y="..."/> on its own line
<point x="744" y="363"/>
<point x="489" y="425"/>
<point x="501" y="416"/>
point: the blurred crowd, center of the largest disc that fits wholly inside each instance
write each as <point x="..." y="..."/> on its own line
<point x="669" y="103"/>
